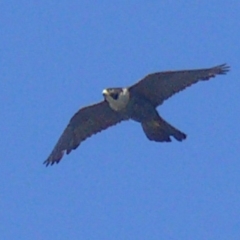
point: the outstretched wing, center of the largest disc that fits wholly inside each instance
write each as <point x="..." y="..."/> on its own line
<point x="158" y="87"/>
<point x="86" y="122"/>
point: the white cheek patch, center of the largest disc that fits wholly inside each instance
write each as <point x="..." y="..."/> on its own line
<point x="121" y="102"/>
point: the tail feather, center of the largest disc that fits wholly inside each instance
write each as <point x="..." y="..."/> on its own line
<point x="161" y="131"/>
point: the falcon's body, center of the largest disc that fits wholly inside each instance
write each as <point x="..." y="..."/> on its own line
<point x="138" y="102"/>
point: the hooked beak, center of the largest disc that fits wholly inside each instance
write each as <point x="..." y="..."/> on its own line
<point x="105" y="92"/>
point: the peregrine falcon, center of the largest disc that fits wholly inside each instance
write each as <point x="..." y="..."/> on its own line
<point x="137" y="102"/>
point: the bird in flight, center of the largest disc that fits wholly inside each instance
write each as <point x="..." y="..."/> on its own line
<point x="137" y="102"/>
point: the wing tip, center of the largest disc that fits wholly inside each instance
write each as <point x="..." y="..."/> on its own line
<point x="222" y="68"/>
<point x="53" y="158"/>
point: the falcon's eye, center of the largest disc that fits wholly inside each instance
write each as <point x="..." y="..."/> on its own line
<point x="115" y="96"/>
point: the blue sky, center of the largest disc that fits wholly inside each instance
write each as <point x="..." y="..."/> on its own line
<point x="56" y="57"/>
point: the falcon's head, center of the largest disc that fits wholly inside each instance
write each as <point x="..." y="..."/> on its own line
<point x="116" y="97"/>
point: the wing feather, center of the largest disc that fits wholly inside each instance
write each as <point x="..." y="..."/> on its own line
<point x="86" y="122"/>
<point x="158" y="87"/>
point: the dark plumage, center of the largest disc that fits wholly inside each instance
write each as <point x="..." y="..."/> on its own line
<point x="138" y="103"/>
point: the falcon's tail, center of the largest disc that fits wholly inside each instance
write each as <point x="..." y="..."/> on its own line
<point x="161" y="131"/>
